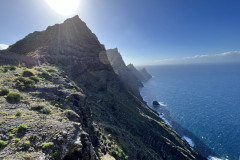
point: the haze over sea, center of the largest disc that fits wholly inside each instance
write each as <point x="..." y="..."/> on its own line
<point x="204" y="99"/>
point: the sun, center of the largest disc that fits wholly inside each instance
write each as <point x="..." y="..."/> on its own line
<point x="64" y="7"/>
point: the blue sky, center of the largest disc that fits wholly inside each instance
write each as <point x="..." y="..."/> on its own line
<point x="144" y="31"/>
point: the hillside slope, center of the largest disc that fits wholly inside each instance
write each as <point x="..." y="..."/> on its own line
<point x="72" y="105"/>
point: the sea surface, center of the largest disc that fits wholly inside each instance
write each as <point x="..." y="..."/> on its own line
<point x="201" y="102"/>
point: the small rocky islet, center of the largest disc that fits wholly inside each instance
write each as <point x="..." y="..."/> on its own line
<point x="64" y="96"/>
<point x="155" y="103"/>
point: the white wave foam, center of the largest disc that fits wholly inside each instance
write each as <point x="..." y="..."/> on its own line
<point x="190" y="142"/>
<point x="161" y="115"/>
<point x="213" y="158"/>
<point x="162" y="104"/>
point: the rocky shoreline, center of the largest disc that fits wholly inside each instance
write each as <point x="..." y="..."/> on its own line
<point x="193" y="141"/>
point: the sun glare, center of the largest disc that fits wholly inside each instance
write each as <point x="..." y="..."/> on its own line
<point x="64" y="7"/>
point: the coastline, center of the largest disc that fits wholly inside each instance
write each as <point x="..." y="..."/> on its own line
<point x="186" y="135"/>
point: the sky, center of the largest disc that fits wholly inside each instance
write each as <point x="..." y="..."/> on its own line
<point x="144" y="31"/>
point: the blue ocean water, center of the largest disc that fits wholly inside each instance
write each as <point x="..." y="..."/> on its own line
<point x="203" y="99"/>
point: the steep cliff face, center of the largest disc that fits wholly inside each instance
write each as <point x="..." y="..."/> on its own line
<point x="141" y="75"/>
<point x="74" y="106"/>
<point x="120" y="68"/>
<point x="145" y="74"/>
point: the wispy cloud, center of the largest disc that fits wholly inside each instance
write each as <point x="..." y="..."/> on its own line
<point x="226" y="57"/>
<point x="3" y="46"/>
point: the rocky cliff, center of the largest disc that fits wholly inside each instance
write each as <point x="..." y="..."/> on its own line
<point x="124" y="73"/>
<point x="70" y="44"/>
<point x="62" y="100"/>
<point x="142" y="75"/>
<point x="145" y="74"/>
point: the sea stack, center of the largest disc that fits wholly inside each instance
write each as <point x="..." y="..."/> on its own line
<point x="156" y="103"/>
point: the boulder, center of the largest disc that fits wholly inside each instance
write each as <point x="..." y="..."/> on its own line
<point x="155" y="103"/>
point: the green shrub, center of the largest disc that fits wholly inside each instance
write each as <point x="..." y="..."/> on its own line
<point x="24" y="83"/>
<point x="18" y="113"/>
<point x="10" y="135"/>
<point x="17" y="140"/>
<point x="52" y="70"/>
<point x="26" y="144"/>
<point x="22" y="128"/>
<point x="46" y="110"/>
<point x="42" y="108"/>
<point x="28" y="73"/>
<point x="47" y="145"/>
<point x="56" y="154"/>
<point x="4" y="92"/>
<point x="12" y="68"/>
<point x="17" y="74"/>
<point x="2" y="144"/>
<point x="45" y="75"/>
<point x="15" y="97"/>
<point x="5" y="69"/>
<point x="34" y="78"/>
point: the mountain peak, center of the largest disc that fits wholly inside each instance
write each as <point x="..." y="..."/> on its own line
<point x="72" y="31"/>
<point x="70" y="43"/>
<point x="76" y="17"/>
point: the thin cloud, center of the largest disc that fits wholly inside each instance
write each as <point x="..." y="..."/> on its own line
<point x="3" y="46"/>
<point x="226" y="57"/>
<point x="233" y="53"/>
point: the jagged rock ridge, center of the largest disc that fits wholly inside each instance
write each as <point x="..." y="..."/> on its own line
<point x="101" y="115"/>
<point x="142" y="74"/>
<point x="145" y="74"/>
<point x="120" y="68"/>
<point x="71" y="44"/>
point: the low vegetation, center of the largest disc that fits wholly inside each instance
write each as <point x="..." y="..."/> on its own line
<point x="47" y="145"/>
<point x="2" y="144"/>
<point x="18" y="113"/>
<point x="26" y="144"/>
<point x="56" y="154"/>
<point x="42" y="108"/>
<point x="28" y="73"/>
<point x="4" y="92"/>
<point x="17" y="140"/>
<point x="25" y="84"/>
<point x="14" y="97"/>
<point x="7" y="68"/>
<point x="22" y="128"/>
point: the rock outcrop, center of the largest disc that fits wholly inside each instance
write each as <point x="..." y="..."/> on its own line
<point x="145" y="74"/>
<point x="142" y="74"/>
<point x="71" y="44"/>
<point x="88" y="111"/>
<point x="124" y="73"/>
<point x="155" y="103"/>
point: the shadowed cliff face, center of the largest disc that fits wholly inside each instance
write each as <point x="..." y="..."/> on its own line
<point x="100" y="110"/>
<point x="120" y="68"/>
<point x="145" y="74"/>
<point x="141" y="75"/>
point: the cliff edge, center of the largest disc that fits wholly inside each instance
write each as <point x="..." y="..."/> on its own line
<point x="61" y="99"/>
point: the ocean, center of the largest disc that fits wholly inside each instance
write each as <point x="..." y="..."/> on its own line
<point x="201" y="102"/>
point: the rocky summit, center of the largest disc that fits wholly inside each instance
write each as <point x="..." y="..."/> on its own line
<point x="61" y="98"/>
